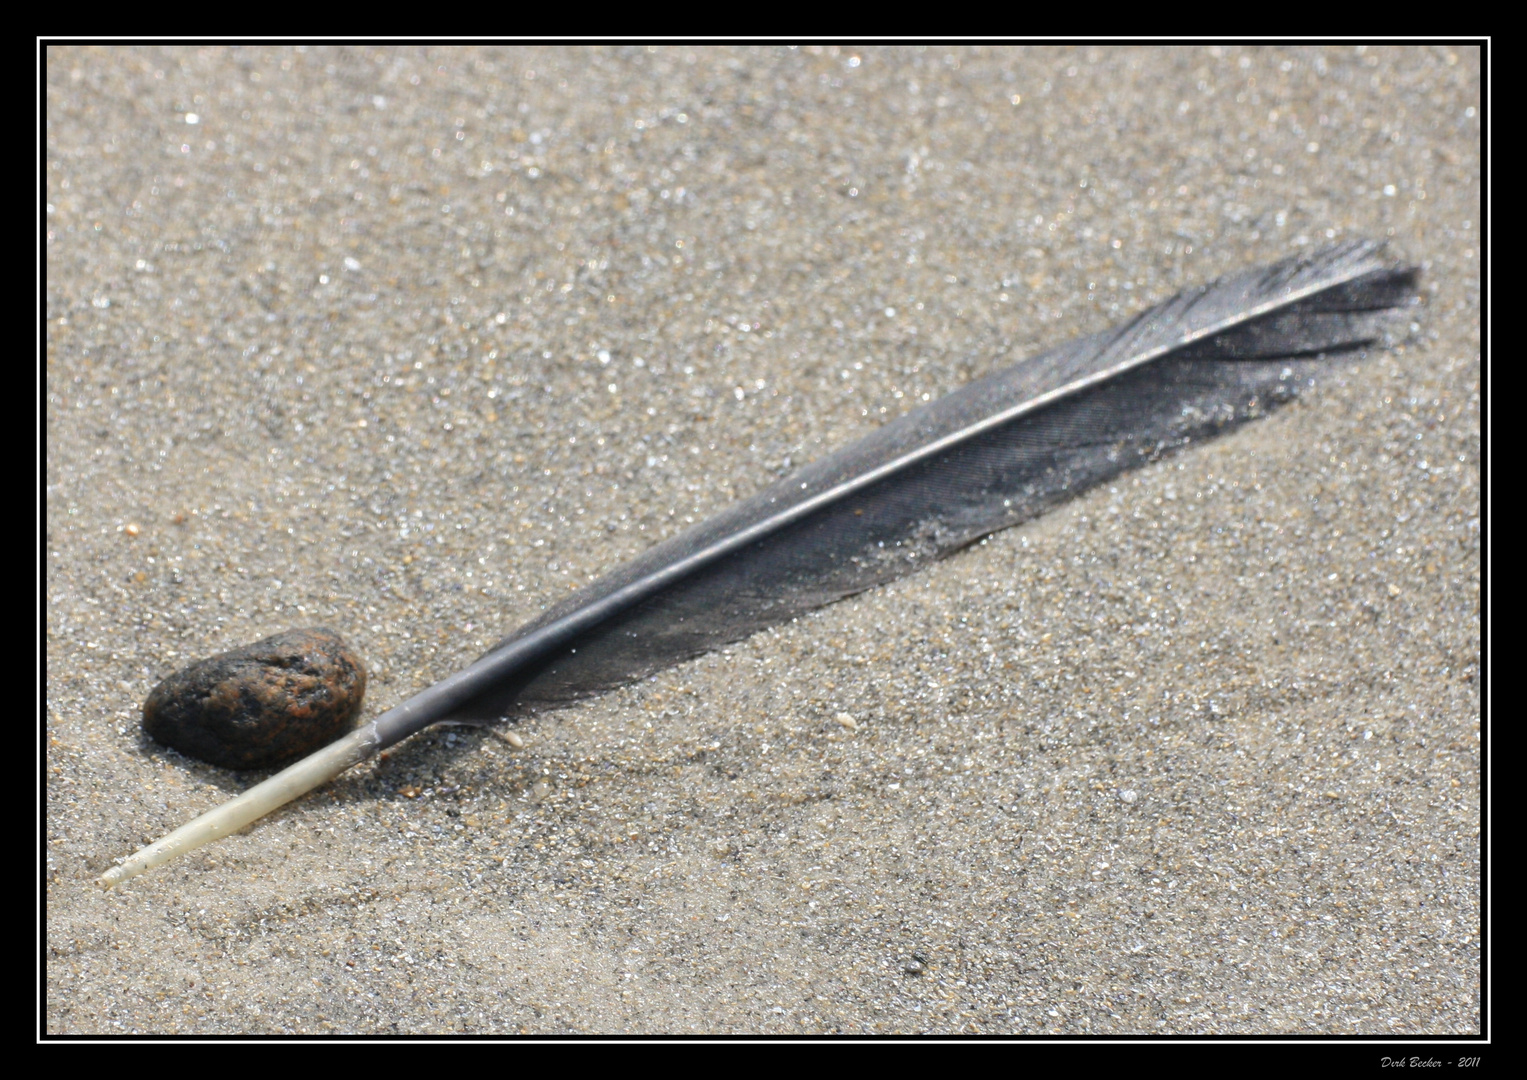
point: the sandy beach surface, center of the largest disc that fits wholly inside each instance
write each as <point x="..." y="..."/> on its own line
<point x="407" y="342"/>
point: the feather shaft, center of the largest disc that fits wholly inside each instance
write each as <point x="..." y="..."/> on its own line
<point x="995" y="453"/>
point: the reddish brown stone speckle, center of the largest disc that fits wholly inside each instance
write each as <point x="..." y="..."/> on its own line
<point x="260" y="705"/>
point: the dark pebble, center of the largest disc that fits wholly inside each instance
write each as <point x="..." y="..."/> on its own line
<point x="260" y="705"/>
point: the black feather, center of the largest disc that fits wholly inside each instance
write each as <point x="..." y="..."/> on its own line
<point x="993" y="454"/>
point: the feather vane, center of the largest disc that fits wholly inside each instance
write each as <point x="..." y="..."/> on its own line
<point x="995" y="453"/>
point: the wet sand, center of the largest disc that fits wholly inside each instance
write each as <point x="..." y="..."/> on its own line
<point x="408" y="342"/>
